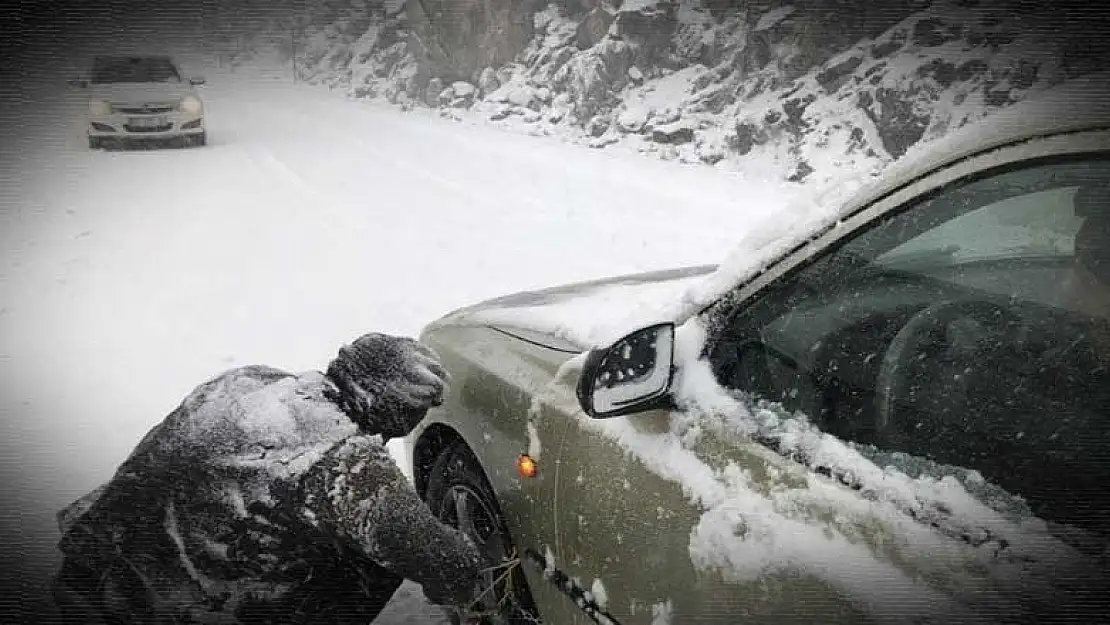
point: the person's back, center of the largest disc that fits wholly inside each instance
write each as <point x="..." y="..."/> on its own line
<point x="261" y="500"/>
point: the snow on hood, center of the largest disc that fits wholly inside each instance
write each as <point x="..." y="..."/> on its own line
<point x="586" y="314"/>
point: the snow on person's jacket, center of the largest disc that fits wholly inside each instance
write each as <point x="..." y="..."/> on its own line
<point x="258" y="500"/>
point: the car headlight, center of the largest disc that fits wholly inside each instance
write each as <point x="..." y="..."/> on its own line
<point x="191" y="104"/>
<point x="99" y="108"/>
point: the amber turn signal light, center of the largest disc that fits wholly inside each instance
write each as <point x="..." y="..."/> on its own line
<point x="526" y="465"/>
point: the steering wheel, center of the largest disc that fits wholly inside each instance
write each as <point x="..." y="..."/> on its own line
<point x="950" y="336"/>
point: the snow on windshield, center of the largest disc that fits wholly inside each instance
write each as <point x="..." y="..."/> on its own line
<point x="770" y="236"/>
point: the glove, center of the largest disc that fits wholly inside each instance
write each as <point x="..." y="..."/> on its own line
<point x="388" y="383"/>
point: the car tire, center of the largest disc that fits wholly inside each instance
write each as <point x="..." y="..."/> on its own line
<point x="95" y="143"/>
<point x="200" y="140"/>
<point x="456" y="470"/>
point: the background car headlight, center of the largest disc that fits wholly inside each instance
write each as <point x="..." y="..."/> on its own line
<point x="98" y="108"/>
<point x="191" y="104"/>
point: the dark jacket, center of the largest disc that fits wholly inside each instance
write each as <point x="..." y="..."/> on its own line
<point x="256" y="501"/>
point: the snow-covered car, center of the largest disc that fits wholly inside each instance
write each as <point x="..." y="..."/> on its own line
<point x="895" y="409"/>
<point x="142" y="98"/>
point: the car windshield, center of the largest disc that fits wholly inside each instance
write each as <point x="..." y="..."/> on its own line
<point x="1017" y="226"/>
<point x="1020" y="226"/>
<point x="117" y="69"/>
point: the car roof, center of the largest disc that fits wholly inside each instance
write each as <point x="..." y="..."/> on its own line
<point x="1083" y="103"/>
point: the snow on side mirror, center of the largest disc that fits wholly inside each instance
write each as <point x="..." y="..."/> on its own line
<point x="633" y="375"/>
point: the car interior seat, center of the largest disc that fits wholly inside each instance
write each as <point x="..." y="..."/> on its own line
<point x="1092" y="241"/>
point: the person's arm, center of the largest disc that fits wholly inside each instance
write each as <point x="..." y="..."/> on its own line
<point x="357" y="491"/>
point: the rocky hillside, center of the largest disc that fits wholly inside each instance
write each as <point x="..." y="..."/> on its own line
<point x="802" y="90"/>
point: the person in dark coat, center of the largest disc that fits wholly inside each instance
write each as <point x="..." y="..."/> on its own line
<point x="268" y="497"/>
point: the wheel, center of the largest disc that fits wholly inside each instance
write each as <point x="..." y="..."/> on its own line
<point x="200" y="140"/>
<point x="940" y="342"/>
<point x="459" y="494"/>
<point x="95" y="143"/>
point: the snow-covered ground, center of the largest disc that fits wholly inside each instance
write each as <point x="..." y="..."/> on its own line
<point x="130" y="277"/>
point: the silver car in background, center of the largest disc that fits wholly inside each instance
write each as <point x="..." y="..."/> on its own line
<point x="142" y="98"/>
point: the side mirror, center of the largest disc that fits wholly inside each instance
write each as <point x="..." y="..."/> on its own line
<point x="196" y="80"/>
<point x="78" y="82"/>
<point x="632" y="375"/>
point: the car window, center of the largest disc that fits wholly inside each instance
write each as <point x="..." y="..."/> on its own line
<point x="1030" y="224"/>
<point x="108" y="70"/>
<point x="968" y="328"/>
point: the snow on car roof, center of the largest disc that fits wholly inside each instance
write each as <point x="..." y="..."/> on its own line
<point x="1080" y="104"/>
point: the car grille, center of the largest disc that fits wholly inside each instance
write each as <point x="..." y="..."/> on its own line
<point x="161" y="128"/>
<point x="153" y="108"/>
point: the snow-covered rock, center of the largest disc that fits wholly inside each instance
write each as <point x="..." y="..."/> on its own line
<point x="593" y="28"/>
<point x="463" y="89"/>
<point x="603" y="141"/>
<point x="674" y="133"/>
<point x="516" y="94"/>
<point x="433" y="91"/>
<point x="500" y="112"/>
<point x="772" y="18"/>
<point x="598" y="125"/>
<point x="633" y="119"/>
<point x="803" y="89"/>
<point x="459" y="38"/>
<point x="488" y="82"/>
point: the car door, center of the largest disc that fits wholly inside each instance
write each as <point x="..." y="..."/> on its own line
<point x="614" y="530"/>
<point x="969" y="328"/>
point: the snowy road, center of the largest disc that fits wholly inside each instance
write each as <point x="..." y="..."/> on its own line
<point x="129" y="277"/>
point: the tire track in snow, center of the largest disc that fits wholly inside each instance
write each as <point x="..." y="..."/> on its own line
<point x="425" y="207"/>
<point x="273" y="168"/>
<point x="408" y="166"/>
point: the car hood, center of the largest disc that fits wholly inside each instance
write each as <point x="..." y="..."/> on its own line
<point x="141" y="92"/>
<point x="575" y="317"/>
